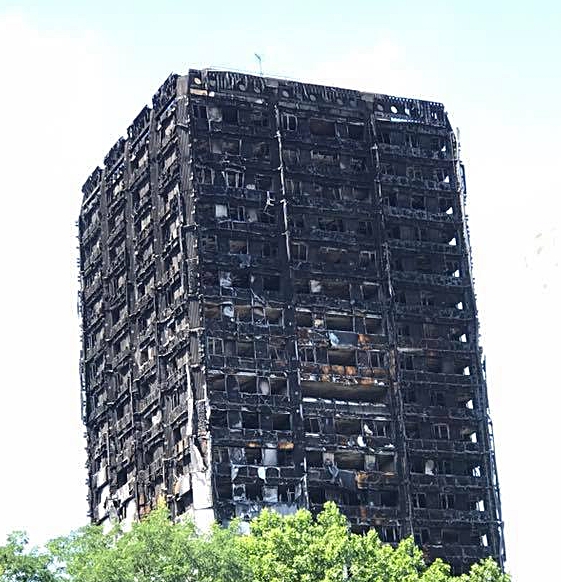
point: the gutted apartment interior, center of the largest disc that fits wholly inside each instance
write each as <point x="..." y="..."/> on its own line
<point x="278" y="310"/>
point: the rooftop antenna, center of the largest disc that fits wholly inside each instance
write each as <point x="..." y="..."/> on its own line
<point x="259" y="60"/>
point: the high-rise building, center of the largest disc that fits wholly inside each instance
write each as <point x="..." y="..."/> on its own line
<point x="278" y="310"/>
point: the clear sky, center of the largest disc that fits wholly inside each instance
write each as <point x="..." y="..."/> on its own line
<point x="74" y="74"/>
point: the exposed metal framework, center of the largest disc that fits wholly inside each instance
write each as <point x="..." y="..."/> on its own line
<point x="278" y="310"/>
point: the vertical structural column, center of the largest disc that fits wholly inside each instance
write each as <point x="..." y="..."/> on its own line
<point x="396" y="400"/>
<point x="287" y="278"/>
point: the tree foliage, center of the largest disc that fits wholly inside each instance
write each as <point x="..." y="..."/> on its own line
<point x="295" y="548"/>
<point x="20" y="564"/>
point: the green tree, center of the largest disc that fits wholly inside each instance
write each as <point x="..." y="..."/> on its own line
<point x="294" y="548"/>
<point x="155" y="550"/>
<point x="19" y="563"/>
<point x="299" y="548"/>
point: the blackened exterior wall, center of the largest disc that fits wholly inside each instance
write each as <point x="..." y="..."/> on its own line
<point x="278" y="310"/>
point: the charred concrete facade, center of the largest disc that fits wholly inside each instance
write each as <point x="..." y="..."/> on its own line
<point x="278" y="310"/>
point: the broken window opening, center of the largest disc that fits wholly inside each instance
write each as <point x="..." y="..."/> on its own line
<point x="441" y="431"/>
<point x="313" y="425"/>
<point x="350" y="460"/>
<point x="447" y="501"/>
<point x="314" y="458"/>
<point x="278" y="386"/>
<point x="253" y="455"/>
<point x="334" y="289"/>
<point x="247" y="384"/>
<point x="373" y="325"/>
<point x="303" y="318"/>
<point x="261" y="151"/>
<point x="348" y="426"/>
<point x="271" y="283"/>
<point x="217" y="383"/>
<point x="331" y="224"/>
<point x="282" y="422"/>
<point x="333" y="256"/>
<point x="356" y="131"/>
<point x="358" y="164"/>
<point x="200" y="111"/>
<point x="215" y="346"/>
<point x="259" y="118"/>
<point x="204" y="175"/>
<point x="389" y="534"/>
<point x="370" y="291"/>
<point x="322" y="127"/>
<point x="324" y="157"/>
<point x="244" y="349"/>
<point x="365" y="227"/>
<point x="230" y="115"/>
<point x="289" y="122"/>
<point x="250" y="420"/>
<point x="237" y="213"/>
<point x="264" y="183"/>
<point x="366" y="258"/>
<point x="291" y="156"/>
<point x="339" y="322"/>
<point x="274" y="316"/>
<point x="253" y="492"/>
<point x="285" y="457"/>
<point x="389" y="499"/>
<point x="422" y="536"/>
<point x="233" y="178"/>
<point x="269" y="250"/>
<point x="299" y="251"/>
<point x="238" y="246"/>
<point x="450" y="536"/>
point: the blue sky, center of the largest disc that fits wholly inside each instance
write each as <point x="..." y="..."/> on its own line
<point x="74" y="75"/>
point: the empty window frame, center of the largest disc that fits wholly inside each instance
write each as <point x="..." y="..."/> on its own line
<point x="289" y="122"/>
<point x="281" y="421"/>
<point x="253" y="455"/>
<point x="355" y="131"/>
<point x="339" y="322"/>
<point x="331" y="224"/>
<point x="441" y="431"/>
<point x="264" y="183"/>
<point x="291" y="156"/>
<point x="366" y="258"/>
<point x="230" y="115"/>
<point x="200" y="111"/>
<point x="215" y="346"/>
<point x="389" y="534"/>
<point x="244" y="349"/>
<point x="299" y="251"/>
<point x="365" y="227"/>
<point x="324" y="157"/>
<point x="204" y="175"/>
<point x="447" y="501"/>
<point x="322" y="127"/>
<point x="261" y="151"/>
<point x="271" y="283"/>
<point x="332" y="255"/>
<point x="233" y="178"/>
<point x="259" y="118"/>
<point x="238" y="213"/>
<point x="303" y="318"/>
<point x="270" y="250"/>
<point x="238" y="246"/>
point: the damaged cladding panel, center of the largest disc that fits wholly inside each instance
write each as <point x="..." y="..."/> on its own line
<point x="278" y="310"/>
